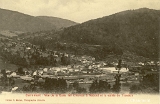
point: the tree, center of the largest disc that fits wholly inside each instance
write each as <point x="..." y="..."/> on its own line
<point x="135" y="88"/>
<point x="94" y="87"/>
<point x="4" y="73"/>
<point x="116" y="86"/>
<point x="104" y="86"/>
<point x="81" y="90"/>
<point x="101" y="86"/>
<point x="4" y="78"/>
<point x="20" y="71"/>
<point x="77" y="88"/>
<point x="75" y="85"/>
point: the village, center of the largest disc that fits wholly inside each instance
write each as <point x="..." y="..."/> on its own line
<point x="41" y="64"/>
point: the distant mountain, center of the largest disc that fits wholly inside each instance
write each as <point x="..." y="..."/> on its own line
<point x="136" y="31"/>
<point x="15" y="21"/>
<point x="58" y="22"/>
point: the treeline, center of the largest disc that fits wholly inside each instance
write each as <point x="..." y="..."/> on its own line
<point x="25" y="57"/>
<point x="149" y="84"/>
<point x="100" y="87"/>
<point x="35" y="59"/>
<point x="55" y="85"/>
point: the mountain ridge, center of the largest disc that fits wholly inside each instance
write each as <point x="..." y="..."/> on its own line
<point x="132" y="30"/>
<point x="16" y="21"/>
<point x="59" y="22"/>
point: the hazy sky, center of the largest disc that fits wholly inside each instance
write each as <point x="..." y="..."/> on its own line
<point x="76" y="10"/>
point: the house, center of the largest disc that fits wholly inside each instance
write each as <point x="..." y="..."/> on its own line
<point x="76" y="70"/>
<point x="26" y="78"/>
<point x="84" y="71"/>
<point x="89" y="67"/>
<point x="26" y="72"/>
<point x="14" y="74"/>
<point x="158" y="63"/>
<point x="70" y="69"/>
<point x="83" y="61"/>
<point x="28" y="48"/>
<point x="45" y="69"/>
<point x="14" y="89"/>
<point x="40" y="72"/>
<point x="50" y="72"/>
<point x="108" y="69"/>
<point x="30" y="72"/>
<point x="63" y="68"/>
<point x="140" y="63"/>
<point x="35" y="73"/>
<point x="56" y="69"/>
<point x="8" y="72"/>
<point x="122" y="70"/>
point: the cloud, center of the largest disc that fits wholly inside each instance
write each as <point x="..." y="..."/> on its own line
<point x="76" y="10"/>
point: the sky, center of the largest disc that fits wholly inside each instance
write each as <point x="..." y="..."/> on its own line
<point x="76" y="10"/>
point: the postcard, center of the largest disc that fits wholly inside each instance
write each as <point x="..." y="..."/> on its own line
<point x="79" y="51"/>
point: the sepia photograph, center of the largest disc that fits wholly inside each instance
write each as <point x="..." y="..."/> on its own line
<point x="79" y="51"/>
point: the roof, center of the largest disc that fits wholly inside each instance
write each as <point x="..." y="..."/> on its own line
<point x="26" y="78"/>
